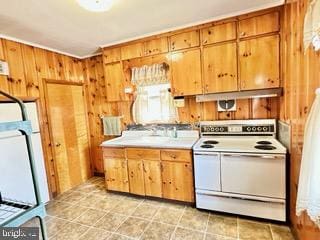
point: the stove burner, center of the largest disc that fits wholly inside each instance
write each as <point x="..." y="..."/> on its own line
<point x="264" y="142"/>
<point x="265" y="147"/>
<point x="211" y="142"/>
<point x="207" y="146"/>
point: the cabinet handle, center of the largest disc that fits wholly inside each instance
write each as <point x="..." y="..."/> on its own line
<point x="242" y="34"/>
<point x="144" y="168"/>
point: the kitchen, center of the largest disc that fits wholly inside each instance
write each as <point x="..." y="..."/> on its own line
<point x="191" y="128"/>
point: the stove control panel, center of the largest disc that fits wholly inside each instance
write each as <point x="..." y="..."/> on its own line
<point x="259" y="128"/>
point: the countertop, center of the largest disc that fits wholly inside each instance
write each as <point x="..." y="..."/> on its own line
<point x="185" y="140"/>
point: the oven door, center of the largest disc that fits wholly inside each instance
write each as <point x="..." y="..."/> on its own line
<point x="253" y="174"/>
<point x="207" y="171"/>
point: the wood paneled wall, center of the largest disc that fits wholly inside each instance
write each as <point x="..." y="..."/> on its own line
<point x="28" y="67"/>
<point x="301" y="75"/>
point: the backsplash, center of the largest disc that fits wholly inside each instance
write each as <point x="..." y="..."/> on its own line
<point x="140" y="127"/>
<point x="284" y="134"/>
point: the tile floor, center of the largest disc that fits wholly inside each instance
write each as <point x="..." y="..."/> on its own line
<point x="88" y="212"/>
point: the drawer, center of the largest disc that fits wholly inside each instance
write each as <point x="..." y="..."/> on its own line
<point x="176" y="155"/>
<point x="143" y="153"/>
<point x="184" y="40"/>
<point x="113" y="152"/>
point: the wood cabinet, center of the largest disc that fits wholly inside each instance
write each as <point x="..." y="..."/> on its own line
<point x="165" y="173"/>
<point x="259" y="25"/>
<point x="156" y="46"/>
<point x="184" y="40"/>
<point x="116" y="174"/>
<point x="173" y="187"/>
<point x="132" y="51"/>
<point x="220" y="68"/>
<point x="111" y="55"/>
<point x="115" y="80"/>
<point x="186" y="73"/>
<point x="219" y="33"/>
<point x="259" y="63"/>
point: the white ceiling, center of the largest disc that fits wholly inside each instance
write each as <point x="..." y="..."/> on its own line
<point x="63" y="26"/>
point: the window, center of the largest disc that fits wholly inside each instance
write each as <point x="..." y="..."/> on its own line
<point x="154" y="104"/>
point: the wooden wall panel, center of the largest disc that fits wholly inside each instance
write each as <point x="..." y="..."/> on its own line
<point x="28" y="66"/>
<point x="301" y="75"/>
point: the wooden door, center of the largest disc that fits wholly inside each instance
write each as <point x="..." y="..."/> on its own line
<point x="259" y="63"/>
<point x="136" y="178"/>
<point x="220" y="68"/>
<point x="114" y="82"/>
<point x="185" y="40"/>
<point x="186" y="73"/>
<point x="219" y="33"/>
<point x="69" y="133"/>
<point x="152" y="178"/>
<point x="177" y="181"/>
<point x="156" y="46"/>
<point x="116" y="174"/>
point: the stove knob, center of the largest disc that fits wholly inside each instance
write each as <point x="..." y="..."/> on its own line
<point x="259" y="129"/>
<point x="211" y="129"/>
<point x="221" y="129"/>
<point x="249" y="129"/>
<point x="254" y="129"/>
<point x="265" y="129"/>
<point x="216" y="129"/>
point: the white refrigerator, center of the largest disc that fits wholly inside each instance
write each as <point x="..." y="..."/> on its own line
<point x="15" y="173"/>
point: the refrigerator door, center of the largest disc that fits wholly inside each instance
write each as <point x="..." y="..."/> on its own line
<point x="15" y="173"/>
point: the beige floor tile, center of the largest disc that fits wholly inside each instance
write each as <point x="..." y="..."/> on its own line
<point x="118" y="237"/>
<point x="168" y="215"/>
<point x="194" y="219"/>
<point x="158" y="231"/>
<point x="106" y="204"/>
<point x="89" y="201"/>
<point x="55" y="208"/>
<point x="71" y="213"/>
<point x="252" y="230"/>
<point x="133" y="227"/>
<point x="110" y="222"/>
<point x="217" y="237"/>
<point x="126" y="206"/>
<point x="95" y="234"/>
<point x="71" y="231"/>
<point x="222" y="225"/>
<point x="73" y="197"/>
<point x="55" y="225"/>
<point x="173" y="205"/>
<point x="281" y="232"/>
<point x="186" y="234"/>
<point x="90" y="217"/>
<point x="145" y="210"/>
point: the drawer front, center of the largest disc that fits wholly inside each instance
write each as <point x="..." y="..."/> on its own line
<point x="113" y="152"/>
<point x="143" y="153"/>
<point x="184" y="40"/>
<point x="176" y="155"/>
<point x="219" y="33"/>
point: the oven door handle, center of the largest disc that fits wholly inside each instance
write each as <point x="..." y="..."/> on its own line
<point x="206" y="154"/>
<point x="254" y="156"/>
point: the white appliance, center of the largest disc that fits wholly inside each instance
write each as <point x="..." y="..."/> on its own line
<point x="240" y="168"/>
<point x="15" y="174"/>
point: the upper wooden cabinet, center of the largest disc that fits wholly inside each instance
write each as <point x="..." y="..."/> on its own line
<point x="219" y="33"/>
<point x="259" y="25"/>
<point x="259" y="63"/>
<point x="156" y="46"/>
<point x="132" y="51"/>
<point x="220" y="68"/>
<point x="114" y="79"/>
<point x="111" y="55"/>
<point x="184" y="40"/>
<point x="186" y="73"/>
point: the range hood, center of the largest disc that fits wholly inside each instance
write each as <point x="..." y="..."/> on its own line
<point x="262" y="93"/>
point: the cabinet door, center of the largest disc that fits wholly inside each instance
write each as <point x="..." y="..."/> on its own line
<point x="184" y="40"/>
<point x="156" y="46"/>
<point x="152" y="178"/>
<point x="177" y="181"/>
<point x="220" y="68"/>
<point x="186" y="73"/>
<point x="116" y="174"/>
<point x="111" y="55"/>
<point x="259" y="63"/>
<point x="136" y="179"/>
<point x="132" y="51"/>
<point x="259" y="25"/>
<point x="219" y="33"/>
<point x="114" y="82"/>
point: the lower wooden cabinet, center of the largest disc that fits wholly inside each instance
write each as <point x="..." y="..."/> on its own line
<point x="177" y="181"/>
<point x="168" y="173"/>
<point x="116" y="174"/>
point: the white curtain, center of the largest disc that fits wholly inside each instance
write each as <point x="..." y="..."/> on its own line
<point x="308" y="198"/>
<point x="311" y="31"/>
<point x="153" y="102"/>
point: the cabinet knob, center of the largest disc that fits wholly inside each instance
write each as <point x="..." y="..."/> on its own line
<point x="242" y="34"/>
<point x="58" y="144"/>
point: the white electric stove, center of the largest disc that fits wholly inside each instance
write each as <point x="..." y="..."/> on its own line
<point x="240" y="168"/>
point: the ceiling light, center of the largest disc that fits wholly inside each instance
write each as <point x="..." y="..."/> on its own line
<point x="96" y="5"/>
